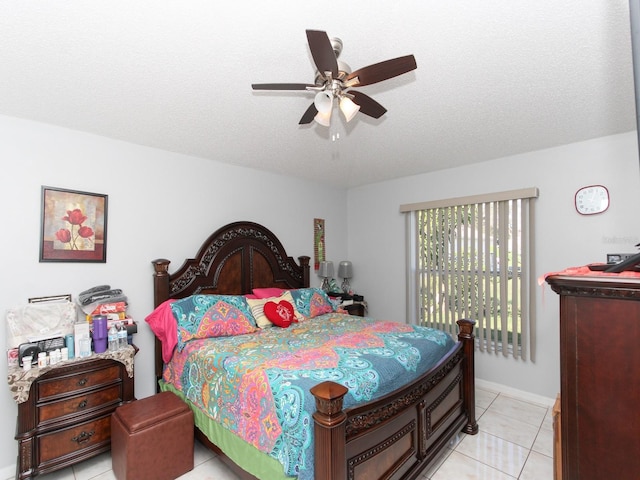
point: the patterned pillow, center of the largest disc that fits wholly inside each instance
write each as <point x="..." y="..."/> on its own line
<point x="206" y="316"/>
<point x="311" y="302"/>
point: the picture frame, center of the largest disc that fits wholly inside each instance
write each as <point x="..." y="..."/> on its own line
<point x="51" y="299"/>
<point x="319" y="252"/>
<point x="73" y="226"/>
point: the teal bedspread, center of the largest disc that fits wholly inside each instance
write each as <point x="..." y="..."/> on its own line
<point x="257" y="385"/>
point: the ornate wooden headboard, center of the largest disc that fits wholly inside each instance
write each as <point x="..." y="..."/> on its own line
<point x="234" y="260"/>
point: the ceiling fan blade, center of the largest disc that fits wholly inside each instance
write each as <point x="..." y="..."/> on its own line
<point x="381" y="71"/>
<point x="368" y="105"/>
<point x="322" y="52"/>
<point x="309" y="115"/>
<point x="281" y="86"/>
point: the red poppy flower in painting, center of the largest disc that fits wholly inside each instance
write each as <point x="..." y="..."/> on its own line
<point x="63" y="235"/>
<point x="85" y="232"/>
<point x="70" y="236"/>
<point x="75" y="217"/>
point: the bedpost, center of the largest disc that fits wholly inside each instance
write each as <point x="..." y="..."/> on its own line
<point x="160" y="294"/>
<point x="304" y="263"/>
<point x="160" y="281"/>
<point x="329" y="431"/>
<point x="466" y="336"/>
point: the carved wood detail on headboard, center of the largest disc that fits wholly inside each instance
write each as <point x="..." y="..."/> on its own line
<point x="233" y="260"/>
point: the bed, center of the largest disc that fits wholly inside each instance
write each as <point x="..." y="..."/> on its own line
<point x="394" y="434"/>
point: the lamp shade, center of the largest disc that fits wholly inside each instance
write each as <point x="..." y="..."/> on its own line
<point x="345" y="269"/>
<point x="323" y="101"/>
<point x="349" y="108"/>
<point x="326" y="270"/>
<point x="323" y="119"/>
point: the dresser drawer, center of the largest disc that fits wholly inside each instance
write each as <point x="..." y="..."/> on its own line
<point x="81" y="403"/>
<point x="82" y="436"/>
<point x="68" y="384"/>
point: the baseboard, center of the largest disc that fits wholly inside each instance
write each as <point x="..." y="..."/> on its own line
<point x="515" y="393"/>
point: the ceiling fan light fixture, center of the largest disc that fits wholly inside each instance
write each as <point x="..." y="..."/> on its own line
<point x="349" y="108"/>
<point x="323" y="119"/>
<point x="324" y="102"/>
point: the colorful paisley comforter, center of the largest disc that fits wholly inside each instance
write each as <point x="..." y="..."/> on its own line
<point x="257" y="385"/>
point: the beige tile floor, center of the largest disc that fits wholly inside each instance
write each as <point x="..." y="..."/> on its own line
<point x="515" y="442"/>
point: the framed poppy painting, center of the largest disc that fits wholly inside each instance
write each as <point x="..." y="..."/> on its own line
<point x="74" y="226"/>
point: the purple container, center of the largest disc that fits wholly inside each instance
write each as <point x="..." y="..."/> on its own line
<point x="100" y="334"/>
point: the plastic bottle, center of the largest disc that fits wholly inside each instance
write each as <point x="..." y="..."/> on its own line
<point x="122" y="336"/>
<point x="112" y="336"/>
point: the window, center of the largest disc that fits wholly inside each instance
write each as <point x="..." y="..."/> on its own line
<point x="470" y="258"/>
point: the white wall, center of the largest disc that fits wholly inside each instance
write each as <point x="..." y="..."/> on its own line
<point x="144" y="222"/>
<point x="563" y="237"/>
<point x="370" y="232"/>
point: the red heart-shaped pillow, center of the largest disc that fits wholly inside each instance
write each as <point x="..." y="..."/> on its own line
<point x="280" y="314"/>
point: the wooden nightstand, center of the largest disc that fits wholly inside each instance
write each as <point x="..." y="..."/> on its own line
<point x="357" y="308"/>
<point x="67" y="415"/>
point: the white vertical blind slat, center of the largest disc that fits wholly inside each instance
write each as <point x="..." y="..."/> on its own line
<point x="515" y="267"/>
<point x="502" y="277"/>
<point x="494" y="278"/>
<point x="473" y="267"/>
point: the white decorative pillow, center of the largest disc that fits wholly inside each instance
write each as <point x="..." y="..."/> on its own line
<point x="257" y="309"/>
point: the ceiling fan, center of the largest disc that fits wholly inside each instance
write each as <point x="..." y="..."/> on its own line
<point x="335" y="81"/>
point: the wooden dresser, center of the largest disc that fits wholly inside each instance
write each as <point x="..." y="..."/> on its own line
<point x="67" y="416"/>
<point x="600" y="376"/>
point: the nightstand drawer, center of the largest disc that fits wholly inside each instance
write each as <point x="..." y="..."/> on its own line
<point x="81" y="403"/>
<point x="83" y="436"/>
<point x="68" y="384"/>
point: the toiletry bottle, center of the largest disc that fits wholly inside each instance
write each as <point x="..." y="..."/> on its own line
<point x="112" y="337"/>
<point x="122" y="336"/>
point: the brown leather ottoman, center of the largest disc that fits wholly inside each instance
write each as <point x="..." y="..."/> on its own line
<point x="152" y="438"/>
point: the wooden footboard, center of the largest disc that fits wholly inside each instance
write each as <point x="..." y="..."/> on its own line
<point x="397" y="436"/>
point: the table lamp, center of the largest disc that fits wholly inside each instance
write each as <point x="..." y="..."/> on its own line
<point x="345" y="270"/>
<point x="326" y="272"/>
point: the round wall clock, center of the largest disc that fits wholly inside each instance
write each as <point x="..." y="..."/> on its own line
<point x="592" y="199"/>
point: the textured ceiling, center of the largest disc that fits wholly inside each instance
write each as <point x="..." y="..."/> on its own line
<point x="494" y="78"/>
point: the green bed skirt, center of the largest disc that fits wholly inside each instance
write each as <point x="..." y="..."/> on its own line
<point x="243" y="454"/>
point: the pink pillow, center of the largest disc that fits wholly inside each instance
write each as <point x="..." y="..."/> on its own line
<point x="267" y="292"/>
<point x="164" y="326"/>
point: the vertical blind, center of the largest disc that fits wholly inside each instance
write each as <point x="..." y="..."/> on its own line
<point x="471" y="257"/>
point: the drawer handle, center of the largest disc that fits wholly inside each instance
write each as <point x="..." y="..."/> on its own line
<point x="83" y="403"/>
<point x="83" y="382"/>
<point x="83" y="437"/>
